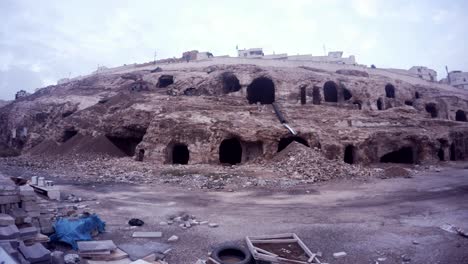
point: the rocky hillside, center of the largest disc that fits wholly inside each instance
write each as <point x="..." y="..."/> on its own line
<point x="197" y="113"/>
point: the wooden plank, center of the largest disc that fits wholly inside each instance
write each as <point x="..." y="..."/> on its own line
<point x="287" y="235"/>
<point x="274" y="241"/>
<point x="265" y="252"/>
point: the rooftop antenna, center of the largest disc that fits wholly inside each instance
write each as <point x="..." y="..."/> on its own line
<point x="324" y="50"/>
<point x="448" y="75"/>
<point x="155" y="54"/>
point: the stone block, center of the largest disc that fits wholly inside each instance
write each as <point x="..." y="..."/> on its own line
<point x="35" y="254"/>
<point x="9" y="249"/>
<point x="9" y="232"/>
<point x="57" y="257"/>
<point x="28" y="232"/>
<point x="138" y="251"/>
<point x="6" y="220"/>
<point x="147" y="234"/>
<point x="5" y="257"/>
<point x="18" y="214"/>
<point x="10" y="199"/>
<point x="95" y="246"/>
<point x="26" y="190"/>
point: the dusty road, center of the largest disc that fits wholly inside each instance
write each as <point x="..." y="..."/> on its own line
<point x="368" y="220"/>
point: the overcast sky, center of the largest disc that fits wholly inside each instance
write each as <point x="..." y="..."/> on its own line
<point x="43" y="41"/>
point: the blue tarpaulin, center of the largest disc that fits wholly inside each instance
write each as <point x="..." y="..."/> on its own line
<point x="72" y="230"/>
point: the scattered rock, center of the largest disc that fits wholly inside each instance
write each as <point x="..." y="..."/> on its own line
<point x="213" y="225"/>
<point x="173" y="239"/>
<point x="339" y="254"/>
<point x="72" y="259"/>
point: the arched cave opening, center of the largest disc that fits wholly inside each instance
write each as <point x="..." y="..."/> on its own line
<point x="431" y="108"/>
<point x="230" y="151"/>
<point x="453" y="153"/>
<point x="330" y="92"/>
<point x="261" y="90"/>
<point x="460" y="115"/>
<point x="303" y="95"/>
<point x="316" y="98"/>
<point x="358" y="104"/>
<point x="347" y="94"/>
<point x="379" y="104"/>
<point x="349" y="154"/>
<point x="409" y="102"/>
<point x="403" y="155"/>
<point x="284" y="142"/>
<point x="68" y="134"/>
<point x="126" y="144"/>
<point x="230" y="82"/>
<point x="165" y="80"/>
<point x="390" y="91"/>
<point x="416" y="95"/>
<point x="441" y="154"/>
<point x="180" y="154"/>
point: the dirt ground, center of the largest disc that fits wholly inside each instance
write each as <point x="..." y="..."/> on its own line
<point x="397" y="219"/>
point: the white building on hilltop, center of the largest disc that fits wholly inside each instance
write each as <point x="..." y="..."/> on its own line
<point x="424" y="73"/>
<point x="457" y="79"/>
<point x="332" y="57"/>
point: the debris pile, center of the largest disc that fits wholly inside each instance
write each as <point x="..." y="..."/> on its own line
<point x="301" y="162"/>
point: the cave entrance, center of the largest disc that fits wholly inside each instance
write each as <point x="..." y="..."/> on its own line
<point x="303" y="95"/>
<point x="431" y="108"/>
<point x="460" y="116"/>
<point x="347" y="94"/>
<point x="409" y="102"/>
<point x="403" y="155"/>
<point x="230" y="151"/>
<point x="165" y="80"/>
<point x="68" y="134"/>
<point x="180" y="154"/>
<point x="390" y="91"/>
<point x="284" y="142"/>
<point x="453" y="154"/>
<point x="261" y="90"/>
<point x="379" y="104"/>
<point x="141" y="155"/>
<point x="126" y="144"/>
<point x="358" y="104"/>
<point x="330" y="92"/>
<point x="416" y="95"/>
<point x="316" y="98"/>
<point x="441" y="154"/>
<point x="349" y="154"/>
<point x="230" y="82"/>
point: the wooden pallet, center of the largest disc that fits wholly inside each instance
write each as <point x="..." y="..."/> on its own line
<point x="255" y="244"/>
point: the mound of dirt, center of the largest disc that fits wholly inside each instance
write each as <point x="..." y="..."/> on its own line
<point x="78" y="145"/>
<point x="301" y="162"/>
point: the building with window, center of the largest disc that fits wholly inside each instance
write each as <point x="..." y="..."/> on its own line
<point x="457" y="79"/>
<point x="250" y="53"/>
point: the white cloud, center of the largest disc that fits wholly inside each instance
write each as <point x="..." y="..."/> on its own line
<point x="366" y="8"/>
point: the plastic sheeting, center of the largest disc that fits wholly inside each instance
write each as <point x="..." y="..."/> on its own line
<point x="72" y="230"/>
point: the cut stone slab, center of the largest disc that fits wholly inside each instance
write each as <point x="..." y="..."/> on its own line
<point x="28" y="232"/>
<point x="96" y="246"/>
<point x="147" y="234"/>
<point x="122" y="261"/>
<point x="9" y="199"/>
<point x="9" y="249"/>
<point x="5" y="257"/>
<point x="6" y="220"/>
<point x="9" y="232"/>
<point x="140" y="261"/>
<point x="137" y="251"/>
<point x="117" y="254"/>
<point x="35" y="253"/>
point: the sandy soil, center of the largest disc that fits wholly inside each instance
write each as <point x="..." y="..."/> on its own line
<point x="380" y="218"/>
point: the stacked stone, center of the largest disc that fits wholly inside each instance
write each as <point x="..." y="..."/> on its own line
<point x="18" y="233"/>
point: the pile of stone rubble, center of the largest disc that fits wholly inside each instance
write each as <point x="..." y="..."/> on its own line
<point x="300" y="162"/>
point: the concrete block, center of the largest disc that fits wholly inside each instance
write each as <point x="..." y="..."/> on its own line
<point x="57" y="257"/>
<point x="9" y="249"/>
<point x="13" y="242"/>
<point x="147" y="234"/>
<point x="5" y="257"/>
<point x="28" y="232"/>
<point x="35" y="254"/>
<point x="9" y="232"/>
<point x="18" y="214"/>
<point x="34" y="180"/>
<point x="6" y="220"/>
<point x="95" y="246"/>
<point x="26" y="190"/>
<point x="138" y="251"/>
<point x="10" y="199"/>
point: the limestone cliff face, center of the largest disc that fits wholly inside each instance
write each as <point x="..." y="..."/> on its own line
<point x="199" y="113"/>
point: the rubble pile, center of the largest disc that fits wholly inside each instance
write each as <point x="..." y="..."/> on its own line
<point x="301" y="162"/>
<point x="23" y="222"/>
